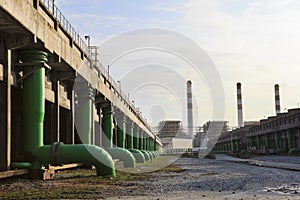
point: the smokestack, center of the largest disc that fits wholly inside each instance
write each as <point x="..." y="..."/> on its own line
<point x="190" y="109"/>
<point x="239" y="105"/>
<point x="277" y="99"/>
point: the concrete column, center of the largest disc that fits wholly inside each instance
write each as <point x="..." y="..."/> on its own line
<point x="5" y="103"/>
<point x="56" y="110"/>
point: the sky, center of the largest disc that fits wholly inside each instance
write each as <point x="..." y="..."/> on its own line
<point x="255" y="42"/>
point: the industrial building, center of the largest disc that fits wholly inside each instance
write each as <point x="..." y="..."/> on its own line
<point x="276" y="134"/>
<point x="173" y="135"/>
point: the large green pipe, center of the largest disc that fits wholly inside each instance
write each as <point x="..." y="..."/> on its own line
<point x="123" y="154"/>
<point x="294" y="150"/>
<point x="60" y="153"/>
<point x="84" y="114"/>
<point x="116" y="153"/>
<point x="144" y="143"/>
<point x="257" y="142"/>
<point x="267" y="141"/>
<point x="150" y="155"/>
<point x="121" y="129"/>
<point x="135" y="137"/>
<point x="129" y="136"/>
<point x="33" y="116"/>
<point x="33" y="101"/>
<point x="277" y="141"/>
<point x="138" y="155"/>
<point x="141" y="137"/>
<point x="107" y="126"/>
<point x="146" y="155"/>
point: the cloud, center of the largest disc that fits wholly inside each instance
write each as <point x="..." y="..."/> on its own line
<point x="256" y="43"/>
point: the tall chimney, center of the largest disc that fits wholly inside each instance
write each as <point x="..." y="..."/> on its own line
<point x="239" y="105"/>
<point x="277" y="99"/>
<point x="190" y="109"/>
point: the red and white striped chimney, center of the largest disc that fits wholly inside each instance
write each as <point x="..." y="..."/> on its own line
<point x="239" y="105"/>
<point x="277" y="99"/>
<point x="190" y="109"/>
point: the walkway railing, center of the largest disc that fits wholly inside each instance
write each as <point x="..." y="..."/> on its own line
<point x="52" y="8"/>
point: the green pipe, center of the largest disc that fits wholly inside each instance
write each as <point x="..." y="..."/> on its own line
<point x="294" y="150"/>
<point x="289" y="138"/>
<point x="232" y="145"/>
<point x="21" y="165"/>
<point x="84" y="115"/>
<point x="135" y="137"/>
<point x="257" y="142"/>
<point x="251" y="142"/>
<point x="124" y="155"/>
<point x="146" y="154"/>
<point x="277" y="142"/>
<point x="150" y="155"/>
<point x="141" y="137"/>
<point x="129" y="136"/>
<point x="237" y="145"/>
<point x="144" y="143"/>
<point x="33" y="101"/>
<point x="59" y="153"/>
<point x="138" y="155"/>
<point x="267" y="141"/>
<point x="121" y="129"/>
<point x="107" y="126"/>
<point x="33" y="116"/>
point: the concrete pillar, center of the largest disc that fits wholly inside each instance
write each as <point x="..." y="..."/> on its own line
<point x="5" y="107"/>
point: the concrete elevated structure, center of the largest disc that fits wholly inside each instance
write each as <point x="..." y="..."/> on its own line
<point x="109" y="120"/>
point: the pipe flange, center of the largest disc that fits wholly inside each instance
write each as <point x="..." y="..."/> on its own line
<point x="56" y="153"/>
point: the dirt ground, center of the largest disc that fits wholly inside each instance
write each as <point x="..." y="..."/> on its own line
<point x="186" y="178"/>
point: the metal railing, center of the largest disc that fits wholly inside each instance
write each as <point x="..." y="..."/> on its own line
<point x="66" y="25"/>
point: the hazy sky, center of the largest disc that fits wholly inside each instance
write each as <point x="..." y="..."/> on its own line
<point x="255" y="42"/>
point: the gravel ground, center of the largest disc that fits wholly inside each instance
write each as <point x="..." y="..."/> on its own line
<point x="275" y="158"/>
<point x="201" y="179"/>
<point x="219" y="179"/>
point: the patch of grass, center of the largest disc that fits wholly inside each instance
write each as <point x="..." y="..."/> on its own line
<point x="66" y="193"/>
<point x="171" y="168"/>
